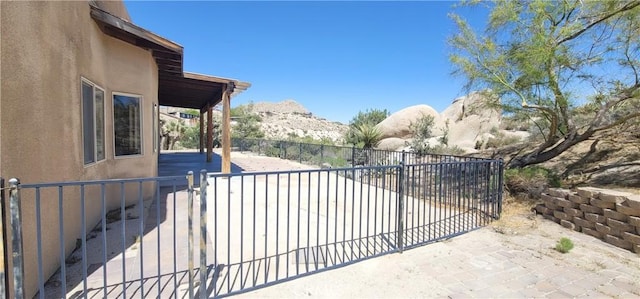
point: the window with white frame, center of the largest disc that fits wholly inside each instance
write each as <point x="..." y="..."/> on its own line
<point x="92" y="122"/>
<point x="127" y="124"/>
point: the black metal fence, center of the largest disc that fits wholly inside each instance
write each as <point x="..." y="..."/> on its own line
<point x="255" y="229"/>
<point x="338" y="156"/>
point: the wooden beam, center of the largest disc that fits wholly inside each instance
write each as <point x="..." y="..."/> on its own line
<point x="209" y="133"/>
<point x="226" y="128"/>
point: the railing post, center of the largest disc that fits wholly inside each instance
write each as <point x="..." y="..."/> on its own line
<point x="203" y="234"/>
<point x="190" y="192"/>
<point x="401" y="182"/>
<point x="4" y="282"/>
<point x="16" y="238"/>
<point x="500" y="186"/>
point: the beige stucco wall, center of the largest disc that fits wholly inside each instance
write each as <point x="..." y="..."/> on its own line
<point x="47" y="47"/>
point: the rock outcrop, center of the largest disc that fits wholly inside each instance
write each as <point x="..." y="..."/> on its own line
<point x="398" y="125"/>
<point x="468" y="124"/>
<point x="288" y="118"/>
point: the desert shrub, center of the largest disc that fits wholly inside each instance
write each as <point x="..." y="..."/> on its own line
<point x="422" y="130"/>
<point x="530" y="180"/>
<point x="564" y="245"/>
<point x="501" y="140"/>
<point x="369" y="118"/>
<point x="446" y="150"/>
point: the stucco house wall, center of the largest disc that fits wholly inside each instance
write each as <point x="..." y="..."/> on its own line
<point x="47" y="49"/>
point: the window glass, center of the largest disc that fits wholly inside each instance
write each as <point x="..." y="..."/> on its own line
<point x="127" y="125"/>
<point x="99" y="112"/>
<point x="88" y="125"/>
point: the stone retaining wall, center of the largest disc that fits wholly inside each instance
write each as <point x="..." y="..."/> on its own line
<point x="609" y="215"/>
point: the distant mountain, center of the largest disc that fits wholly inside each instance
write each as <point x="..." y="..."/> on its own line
<point x="286" y="119"/>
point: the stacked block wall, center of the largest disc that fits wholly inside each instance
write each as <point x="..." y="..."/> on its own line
<point x="609" y="215"/>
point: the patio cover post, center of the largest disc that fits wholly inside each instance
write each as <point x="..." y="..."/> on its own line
<point x="226" y="127"/>
<point x="201" y="131"/>
<point x="209" y="132"/>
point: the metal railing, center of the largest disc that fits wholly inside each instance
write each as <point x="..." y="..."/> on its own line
<point x="113" y="238"/>
<point x="255" y="229"/>
<point x="338" y="156"/>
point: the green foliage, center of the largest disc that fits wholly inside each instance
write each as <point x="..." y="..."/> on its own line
<point x="308" y="139"/>
<point x="192" y="112"/>
<point x="500" y="140"/>
<point x="368" y="135"/>
<point x="191" y="137"/>
<point x="370" y="117"/>
<point x="442" y="149"/>
<point x="564" y="245"/>
<point x="422" y="131"/>
<point x="530" y="180"/>
<point x="247" y="123"/>
<point x="172" y="132"/>
<point x="544" y="59"/>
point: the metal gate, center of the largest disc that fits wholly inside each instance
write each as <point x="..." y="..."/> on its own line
<point x="167" y="237"/>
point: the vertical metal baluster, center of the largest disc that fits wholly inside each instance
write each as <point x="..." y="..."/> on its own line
<point x="353" y="209"/>
<point x="190" y="246"/>
<point x="63" y="264"/>
<point x="335" y="228"/>
<point x="16" y="241"/>
<point x="440" y="199"/>
<point x="4" y="261"/>
<point x="175" y="243"/>
<point x="39" y="239"/>
<point x="298" y="230"/>
<point x="361" y="202"/>
<point x="158" y="235"/>
<point x="266" y="225"/>
<point x="228" y="232"/>
<point x="277" y="224"/>
<point x="308" y="221"/>
<point x="317" y="223"/>
<point x="344" y="218"/>
<point x="203" y="234"/>
<point x="103" y="211"/>
<point x="326" y="235"/>
<point x="366" y="237"/>
<point x="288" y="217"/>
<point x="500" y="186"/>
<point x="123" y="230"/>
<point x="375" y="209"/>
<point x="390" y="199"/>
<point x="253" y="260"/>
<point x="141" y="253"/>
<point x="384" y="188"/>
<point x="401" y="180"/>
<point x="421" y="225"/>
<point x="242" y="281"/>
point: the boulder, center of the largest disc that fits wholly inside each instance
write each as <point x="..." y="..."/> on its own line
<point x="391" y="144"/>
<point x="398" y="125"/>
<point x="469" y="120"/>
<point x="471" y="104"/>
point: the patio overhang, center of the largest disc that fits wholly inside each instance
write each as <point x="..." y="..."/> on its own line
<point x="177" y="88"/>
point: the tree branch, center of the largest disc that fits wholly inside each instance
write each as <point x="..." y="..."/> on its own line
<point x="626" y="7"/>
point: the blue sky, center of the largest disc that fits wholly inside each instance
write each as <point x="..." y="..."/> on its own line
<point x="335" y="58"/>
